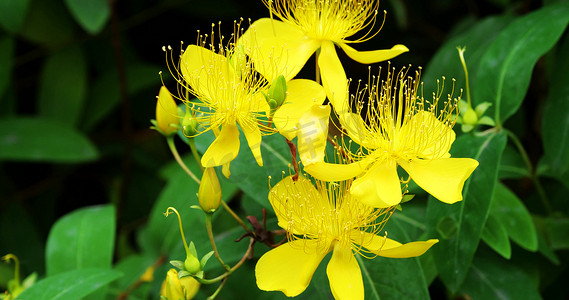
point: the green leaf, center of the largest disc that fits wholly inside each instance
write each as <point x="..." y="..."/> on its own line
<point x="512" y="165"/>
<point x="555" y="120"/>
<point x="13" y="14"/>
<point x="510" y="211"/>
<point x="494" y="278"/>
<point x="505" y="69"/>
<point x="81" y="239"/>
<point x="70" y="285"/>
<point x="496" y="236"/>
<point x="63" y="86"/>
<point x="454" y="252"/>
<point x="557" y="229"/>
<point x="394" y="278"/>
<point x="446" y="61"/>
<point x="34" y="139"/>
<point x="6" y="60"/>
<point x="133" y="267"/>
<point x="48" y="23"/>
<point x="92" y="15"/>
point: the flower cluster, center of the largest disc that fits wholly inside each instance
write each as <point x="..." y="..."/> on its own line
<point x="247" y="85"/>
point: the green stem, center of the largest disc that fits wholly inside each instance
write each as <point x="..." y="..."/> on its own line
<point x="230" y="271"/>
<point x="174" y="151"/>
<point x="195" y="153"/>
<point x="533" y="175"/>
<point x="217" y="290"/>
<point x="212" y="241"/>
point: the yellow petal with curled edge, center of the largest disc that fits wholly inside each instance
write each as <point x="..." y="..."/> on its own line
<point x="379" y="187"/>
<point x="387" y="247"/>
<point x="334" y="78"/>
<point x="205" y="71"/>
<point x="253" y="136"/>
<point x="443" y="178"/>
<point x="369" y="57"/>
<point x="288" y="195"/>
<point x="302" y="94"/>
<point x="166" y="112"/>
<point x="277" y="48"/>
<point x="345" y="275"/>
<point x="289" y="267"/>
<point x="335" y="172"/>
<point x="313" y="133"/>
<point x="224" y="148"/>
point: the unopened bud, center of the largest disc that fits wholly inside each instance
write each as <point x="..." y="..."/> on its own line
<point x="277" y="91"/>
<point x="192" y="264"/>
<point x="166" y="113"/>
<point x="174" y="288"/>
<point x="189" y="123"/>
<point x="209" y="193"/>
<point x="470" y="117"/>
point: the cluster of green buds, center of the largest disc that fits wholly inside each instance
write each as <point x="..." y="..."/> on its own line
<point x="15" y="287"/>
<point x="276" y="95"/>
<point x="470" y="117"/>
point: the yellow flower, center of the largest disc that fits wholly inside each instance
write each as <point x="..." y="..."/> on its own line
<point x="174" y="288"/>
<point x="166" y="113"/>
<point x="400" y="128"/>
<point x="322" y="220"/>
<point x="310" y="26"/>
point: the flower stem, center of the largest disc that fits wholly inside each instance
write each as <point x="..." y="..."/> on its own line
<point x="218" y="289"/>
<point x="195" y="153"/>
<point x="532" y="172"/>
<point x="235" y="216"/>
<point x="226" y="274"/>
<point x="176" y="155"/>
<point x="212" y="241"/>
<point x="293" y="160"/>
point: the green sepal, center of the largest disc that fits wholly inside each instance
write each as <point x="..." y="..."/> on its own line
<point x="205" y="258"/>
<point x="177" y="264"/>
<point x="184" y="273"/>
<point x="192" y="249"/>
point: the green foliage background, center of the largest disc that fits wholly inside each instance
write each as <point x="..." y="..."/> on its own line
<point x="84" y="181"/>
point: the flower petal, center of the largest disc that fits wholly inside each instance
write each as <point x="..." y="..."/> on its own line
<point x="387" y="247"/>
<point x="253" y="136"/>
<point x="427" y="135"/>
<point x="205" y="70"/>
<point x="345" y="275"/>
<point x="443" y="178"/>
<point x="369" y="57"/>
<point x="335" y="172"/>
<point x="379" y="187"/>
<point x="288" y="268"/>
<point x="334" y="78"/>
<point x="357" y="130"/>
<point x="277" y="48"/>
<point x="312" y="134"/>
<point x="302" y="94"/>
<point x="224" y="148"/>
<point x="286" y="198"/>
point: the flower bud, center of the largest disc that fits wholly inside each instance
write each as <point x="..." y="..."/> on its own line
<point x="166" y="113"/>
<point x="277" y="91"/>
<point x="189" y="124"/>
<point x="192" y="264"/>
<point x="209" y="193"/>
<point x="174" y="288"/>
<point x="470" y="117"/>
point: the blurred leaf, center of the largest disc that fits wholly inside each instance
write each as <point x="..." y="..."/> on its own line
<point x="446" y="61"/>
<point x="555" y="120"/>
<point x="557" y="229"/>
<point x="6" y="60"/>
<point x="104" y="95"/>
<point x="495" y="236"/>
<point x="505" y="69"/>
<point x="81" y="239"/>
<point x="453" y="255"/>
<point x="494" y="278"/>
<point x="16" y="223"/>
<point x="543" y="243"/>
<point x="34" y="139"/>
<point x="133" y="267"/>
<point x="70" y="285"/>
<point x="510" y="211"/>
<point x="63" y="86"/>
<point x="512" y="165"/>
<point x="246" y="174"/>
<point x="13" y="14"/>
<point x="92" y="15"/>
<point x="47" y="23"/>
